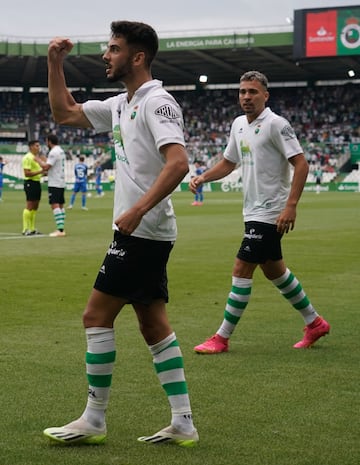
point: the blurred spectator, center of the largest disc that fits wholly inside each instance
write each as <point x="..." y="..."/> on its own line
<point x="325" y="119"/>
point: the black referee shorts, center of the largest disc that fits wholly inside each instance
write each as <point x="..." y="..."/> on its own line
<point x="32" y="190"/>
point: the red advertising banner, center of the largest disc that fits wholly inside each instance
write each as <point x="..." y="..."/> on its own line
<point x="321" y="34"/>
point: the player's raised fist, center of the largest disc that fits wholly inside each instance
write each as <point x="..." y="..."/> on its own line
<point x="59" y="46"/>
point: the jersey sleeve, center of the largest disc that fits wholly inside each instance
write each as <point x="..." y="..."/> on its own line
<point x="99" y="113"/>
<point x="26" y="163"/>
<point x="165" y="120"/>
<point x="284" y="138"/>
<point x="231" y="152"/>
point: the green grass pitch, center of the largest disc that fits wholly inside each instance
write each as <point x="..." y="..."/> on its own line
<point x="263" y="403"/>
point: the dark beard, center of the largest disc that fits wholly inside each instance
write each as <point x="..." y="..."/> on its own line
<point x="113" y="79"/>
<point x="120" y="74"/>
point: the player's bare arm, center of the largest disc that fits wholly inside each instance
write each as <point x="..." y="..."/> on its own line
<point x="176" y="167"/>
<point x="64" y="108"/>
<point x="218" y="171"/>
<point x="286" y="220"/>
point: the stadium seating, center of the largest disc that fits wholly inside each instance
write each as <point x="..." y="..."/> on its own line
<point x="353" y="176"/>
<point x="325" y="118"/>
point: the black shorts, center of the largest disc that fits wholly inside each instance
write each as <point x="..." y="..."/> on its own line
<point x="56" y="195"/>
<point x="261" y="242"/>
<point x="32" y="190"/>
<point x="135" y="269"/>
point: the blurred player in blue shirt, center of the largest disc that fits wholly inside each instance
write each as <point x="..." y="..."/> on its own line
<point x="98" y="172"/>
<point x="81" y="173"/>
<point x="199" y="196"/>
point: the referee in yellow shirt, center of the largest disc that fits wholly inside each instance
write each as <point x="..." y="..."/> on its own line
<point x="33" y="170"/>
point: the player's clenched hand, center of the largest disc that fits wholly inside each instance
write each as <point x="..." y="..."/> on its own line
<point x="128" y="221"/>
<point x="195" y="183"/>
<point x="59" y="47"/>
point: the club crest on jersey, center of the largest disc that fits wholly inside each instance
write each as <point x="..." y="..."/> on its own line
<point x="167" y="111"/>
<point x="288" y="132"/>
<point x="133" y="114"/>
<point x="257" y="130"/>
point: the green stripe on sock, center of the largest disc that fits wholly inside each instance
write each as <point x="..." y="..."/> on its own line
<point x="302" y="304"/>
<point x="231" y="318"/>
<point x="171" y="364"/>
<point x="294" y="292"/>
<point x="241" y="290"/>
<point x="107" y="357"/>
<point x="236" y="303"/>
<point x="175" y="389"/>
<point x="287" y="282"/>
<point x="172" y="344"/>
<point x="99" y="380"/>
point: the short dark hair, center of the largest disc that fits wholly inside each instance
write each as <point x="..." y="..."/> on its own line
<point x="53" y="138"/>
<point x="255" y="76"/>
<point x="33" y="142"/>
<point x="139" y="36"/>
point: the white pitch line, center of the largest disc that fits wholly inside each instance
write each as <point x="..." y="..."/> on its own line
<point x="7" y="238"/>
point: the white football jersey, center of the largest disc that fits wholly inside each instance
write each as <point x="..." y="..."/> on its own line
<point x="263" y="148"/>
<point x="140" y="128"/>
<point x="56" y="174"/>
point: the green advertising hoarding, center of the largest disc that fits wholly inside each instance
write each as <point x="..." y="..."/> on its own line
<point x="348" y="37"/>
<point x="355" y="153"/>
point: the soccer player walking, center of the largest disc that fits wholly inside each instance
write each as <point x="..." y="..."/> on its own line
<point x="151" y="160"/>
<point x="55" y="167"/>
<point x="266" y="145"/>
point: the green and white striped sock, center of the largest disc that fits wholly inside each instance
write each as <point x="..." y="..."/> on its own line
<point x="169" y="366"/>
<point x="59" y="216"/>
<point x="100" y="358"/>
<point x="238" y="299"/>
<point x="292" y="290"/>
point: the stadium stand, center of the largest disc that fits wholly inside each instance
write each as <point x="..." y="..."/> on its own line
<point x="353" y="176"/>
<point x="325" y="118"/>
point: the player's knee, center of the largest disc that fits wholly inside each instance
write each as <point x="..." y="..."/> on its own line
<point x="93" y="319"/>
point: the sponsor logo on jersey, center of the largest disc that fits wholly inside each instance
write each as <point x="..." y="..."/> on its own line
<point x="119" y="145"/>
<point x="288" y="132"/>
<point x="167" y="111"/>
